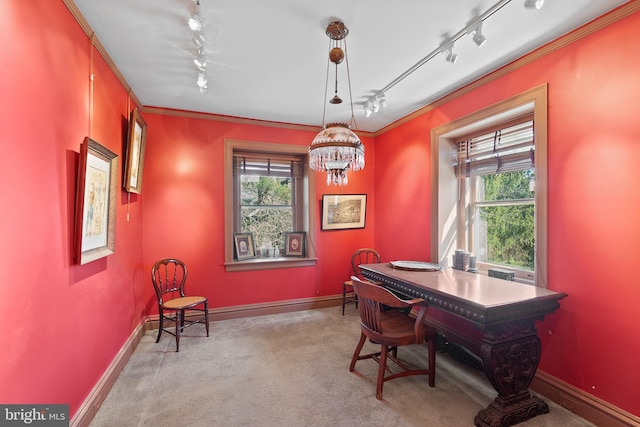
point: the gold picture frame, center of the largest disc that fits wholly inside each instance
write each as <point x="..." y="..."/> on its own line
<point x="343" y="211"/>
<point x="295" y="243"/>
<point x="134" y="160"/>
<point x="95" y="226"/>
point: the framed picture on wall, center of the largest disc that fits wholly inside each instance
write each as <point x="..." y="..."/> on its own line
<point x="134" y="161"/>
<point x="295" y="243"/>
<point x="244" y="246"/>
<point x="343" y="211"/>
<point x="95" y="226"/>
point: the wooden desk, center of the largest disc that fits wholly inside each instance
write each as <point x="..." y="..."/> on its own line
<point x="506" y="311"/>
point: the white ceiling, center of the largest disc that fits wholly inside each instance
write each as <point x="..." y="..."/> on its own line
<point x="267" y="59"/>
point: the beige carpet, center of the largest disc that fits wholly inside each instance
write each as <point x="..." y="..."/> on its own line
<point x="290" y="370"/>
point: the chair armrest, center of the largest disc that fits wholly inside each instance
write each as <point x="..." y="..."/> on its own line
<point x="414" y="301"/>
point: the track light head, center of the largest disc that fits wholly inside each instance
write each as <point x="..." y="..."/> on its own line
<point x="368" y="109"/>
<point x="451" y="57"/>
<point x="479" y="38"/>
<point x="446" y="47"/>
<point x="475" y="28"/>
<point x="382" y="99"/>
<point x="533" y="4"/>
<point x="195" y="23"/>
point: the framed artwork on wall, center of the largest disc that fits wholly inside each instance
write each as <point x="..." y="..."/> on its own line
<point x="343" y="211"/>
<point x="295" y="243"/>
<point x="244" y="246"/>
<point x="134" y="161"/>
<point x="95" y="226"/>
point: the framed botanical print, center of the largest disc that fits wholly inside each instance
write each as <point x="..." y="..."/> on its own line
<point x="134" y="162"/>
<point x="244" y="246"/>
<point x="95" y="226"/>
<point x="295" y="243"/>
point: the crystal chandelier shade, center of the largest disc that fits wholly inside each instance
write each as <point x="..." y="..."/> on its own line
<point x="336" y="150"/>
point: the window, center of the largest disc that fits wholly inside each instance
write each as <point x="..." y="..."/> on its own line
<point x="268" y="190"/>
<point x="489" y="187"/>
<point x="496" y="173"/>
<point x="267" y="196"/>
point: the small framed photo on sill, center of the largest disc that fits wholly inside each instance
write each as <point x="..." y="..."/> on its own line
<point x="295" y="243"/>
<point x="244" y="246"/>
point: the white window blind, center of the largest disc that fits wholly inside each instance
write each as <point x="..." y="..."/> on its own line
<point x="268" y="165"/>
<point x="507" y="149"/>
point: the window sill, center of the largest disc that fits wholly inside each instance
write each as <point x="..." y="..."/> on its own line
<point x="269" y="264"/>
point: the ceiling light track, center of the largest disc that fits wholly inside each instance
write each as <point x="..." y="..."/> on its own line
<point x="446" y="47"/>
<point x="196" y="25"/>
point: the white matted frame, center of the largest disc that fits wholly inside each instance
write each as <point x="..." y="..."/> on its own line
<point x="95" y="226"/>
<point x="343" y="211"/>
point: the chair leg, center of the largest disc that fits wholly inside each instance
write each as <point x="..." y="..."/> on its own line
<point x="381" y="369"/>
<point x="344" y="297"/>
<point x="356" y="353"/>
<point x="206" y="316"/>
<point x="179" y="317"/>
<point x="432" y="360"/>
<point x="161" y="324"/>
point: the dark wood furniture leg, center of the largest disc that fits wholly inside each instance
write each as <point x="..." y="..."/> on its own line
<point x="510" y="354"/>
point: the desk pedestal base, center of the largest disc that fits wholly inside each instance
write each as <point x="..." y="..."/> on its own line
<point x="512" y="410"/>
<point x="510" y="354"/>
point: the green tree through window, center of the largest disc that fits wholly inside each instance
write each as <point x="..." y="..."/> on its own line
<point x="266" y="209"/>
<point x="509" y="218"/>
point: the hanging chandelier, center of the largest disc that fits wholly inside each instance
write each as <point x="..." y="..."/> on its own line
<point x="337" y="149"/>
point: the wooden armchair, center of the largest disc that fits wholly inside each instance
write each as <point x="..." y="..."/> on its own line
<point x="391" y="329"/>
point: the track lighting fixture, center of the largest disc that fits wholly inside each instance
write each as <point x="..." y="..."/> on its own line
<point x="196" y="24"/>
<point x="476" y="29"/>
<point x="368" y="109"/>
<point x="198" y="39"/>
<point x="447" y="49"/>
<point x="374" y="104"/>
<point x="533" y="4"/>
<point x="473" y="28"/>
<point x="200" y="60"/>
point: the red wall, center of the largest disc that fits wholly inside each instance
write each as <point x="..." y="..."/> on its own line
<point x="184" y="213"/>
<point x="62" y="323"/>
<point x="592" y="341"/>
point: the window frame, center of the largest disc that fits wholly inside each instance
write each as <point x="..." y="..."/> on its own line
<point x="446" y="234"/>
<point x="297" y="187"/>
<point x="307" y="205"/>
<point x="469" y="186"/>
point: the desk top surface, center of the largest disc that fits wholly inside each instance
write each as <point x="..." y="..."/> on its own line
<point x="475" y="289"/>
